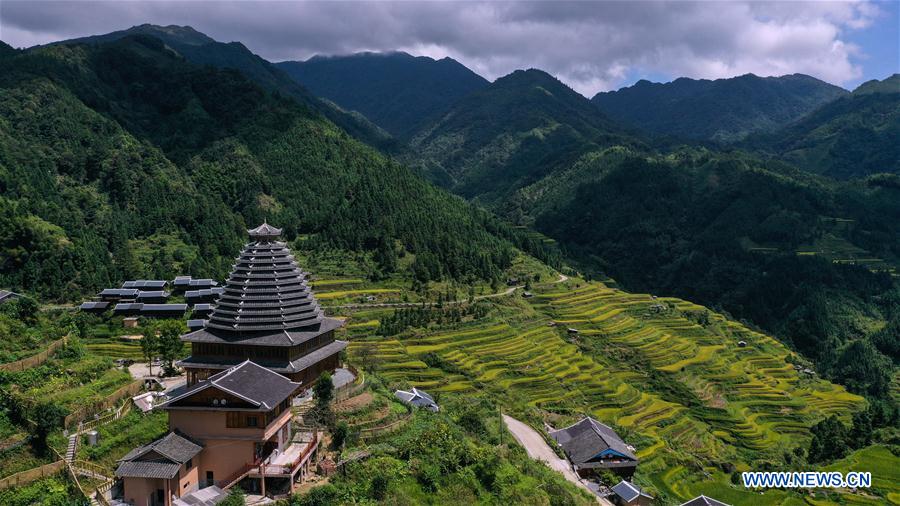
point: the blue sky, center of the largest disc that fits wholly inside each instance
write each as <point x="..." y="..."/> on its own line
<point x="590" y="45"/>
<point x="880" y="44"/>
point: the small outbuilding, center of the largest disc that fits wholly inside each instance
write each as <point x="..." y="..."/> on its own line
<point x="6" y="295"/>
<point x="626" y="493"/>
<point x="94" y="306"/>
<point x="742" y="344"/>
<point x="117" y="294"/>
<point x="152" y="297"/>
<point x="418" y="399"/>
<point x="146" y="284"/>
<point x="163" y="310"/>
<point x="702" y="500"/>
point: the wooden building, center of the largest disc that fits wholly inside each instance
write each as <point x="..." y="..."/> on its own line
<point x="591" y="445"/>
<point x="267" y="313"/>
<point x="232" y="426"/>
<point x="118" y="294"/>
<point x="146" y="284"/>
<point x="152" y="296"/>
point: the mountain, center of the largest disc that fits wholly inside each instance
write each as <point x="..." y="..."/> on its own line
<point x="803" y="257"/>
<point x="510" y="134"/>
<point x="123" y="160"/>
<point x="396" y="91"/>
<point x="201" y="49"/>
<point x="722" y="110"/>
<point x="853" y="136"/>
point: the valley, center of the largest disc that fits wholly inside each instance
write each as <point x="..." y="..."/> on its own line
<point x="704" y="272"/>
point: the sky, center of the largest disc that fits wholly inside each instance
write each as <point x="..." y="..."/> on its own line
<point x="590" y="45"/>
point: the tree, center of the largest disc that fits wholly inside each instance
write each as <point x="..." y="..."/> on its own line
<point x="170" y="345"/>
<point x="324" y="391"/>
<point x="235" y="498"/>
<point x="339" y="435"/>
<point x="46" y="417"/>
<point x="149" y="345"/>
<point x="829" y="440"/>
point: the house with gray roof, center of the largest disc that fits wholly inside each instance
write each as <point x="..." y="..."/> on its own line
<point x="418" y="399"/>
<point x="702" y="500"/>
<point x="591" y="445"/>
<point x="6" y="295"/>
<point x="626" y="493"/>
<point x="153" y="473"/>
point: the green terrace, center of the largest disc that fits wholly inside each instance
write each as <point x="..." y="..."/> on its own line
<point x="691" y="389"/>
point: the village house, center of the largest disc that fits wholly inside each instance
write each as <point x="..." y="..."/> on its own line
<point x="418" y="399"/>
<point x="702" y="500"/>
<point x="626" y="493"/>
<point x="591" y="445"/>
<point x="232" y="426"/>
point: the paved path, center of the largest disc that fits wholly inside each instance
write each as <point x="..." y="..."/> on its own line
<point x="538" y="449"/>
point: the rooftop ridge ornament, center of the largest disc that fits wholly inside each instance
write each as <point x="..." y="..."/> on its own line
<point x="264" y="232"/>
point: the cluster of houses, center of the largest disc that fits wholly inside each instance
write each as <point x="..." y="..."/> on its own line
<point x="150" y="298"/>
<point x="591" y="446"/>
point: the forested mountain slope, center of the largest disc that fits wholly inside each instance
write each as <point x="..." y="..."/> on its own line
<point x="124" y="160"/>
<point x="201" y="49"/>
<point x="510" y="134"/>
<point x="396" y="91"/>
<point x="854" y="136"/>
<point x="720" y="110"/>
<point x="805" y="258"/>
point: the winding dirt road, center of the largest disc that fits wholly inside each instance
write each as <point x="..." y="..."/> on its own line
<point x="538" y="449"/>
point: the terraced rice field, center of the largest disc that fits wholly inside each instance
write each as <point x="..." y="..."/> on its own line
<point x="732" y="402"/>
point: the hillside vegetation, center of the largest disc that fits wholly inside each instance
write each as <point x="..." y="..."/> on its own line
<point x="720" y="110"/>
<point x="201" y="49"/>
<point x="396" y="91"/>
<point x="514" y="132"/>
<point x="123" y="160"/>
<point x="669" y="374"/>
<point x="851" y="137"/>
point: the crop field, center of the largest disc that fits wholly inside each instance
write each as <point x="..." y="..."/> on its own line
<point x="669" y="373"/>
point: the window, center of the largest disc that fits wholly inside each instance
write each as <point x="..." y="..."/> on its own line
<point x="189" y="464"/>
<point x="251" y="421"/>
<point x="209" y="479"/>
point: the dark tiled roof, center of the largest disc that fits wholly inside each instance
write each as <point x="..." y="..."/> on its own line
<point x="156" y="294"/>
<point x="628" y="492"/>
<point x="265" y="231"/>
<point x="120" y="292"/>
<point x="281" y="337"/>
<point x="280" y="366"/>
<point x="155" y="308"/>
<point x="92" y="305"/>
<point x="702" y="500"/>
<point x="195" y="324"/>
<point x="587" y="438"/>
<point x="159" y="459"/>
<point x="249" y="381"/>
<point x="128" y="307"/>
<point x="145" y="283"/>
<point x="6" y="294"/>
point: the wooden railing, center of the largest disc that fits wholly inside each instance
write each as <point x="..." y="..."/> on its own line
<point x="29" y="475"/>
<point x="236" y="476"/>
<point x="123" y="410"/>
<point x="384" y="429"/>
<point x="35" y="360"/>
<point x="111" y="400"/>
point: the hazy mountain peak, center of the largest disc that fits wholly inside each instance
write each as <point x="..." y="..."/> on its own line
<point x="723" y="109"/>
<point x="889" y="84"/>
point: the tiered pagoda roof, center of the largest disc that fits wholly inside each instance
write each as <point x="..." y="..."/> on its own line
<point x="267" y="300"/>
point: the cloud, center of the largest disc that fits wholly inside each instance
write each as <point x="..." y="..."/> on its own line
<point x="591" y="46"/>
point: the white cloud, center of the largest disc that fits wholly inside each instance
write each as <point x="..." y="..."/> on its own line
<point x="592" y="46"/>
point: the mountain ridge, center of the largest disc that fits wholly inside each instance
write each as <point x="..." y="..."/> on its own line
<point x="723" y="110"/>
<point x="395" y="90"/>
